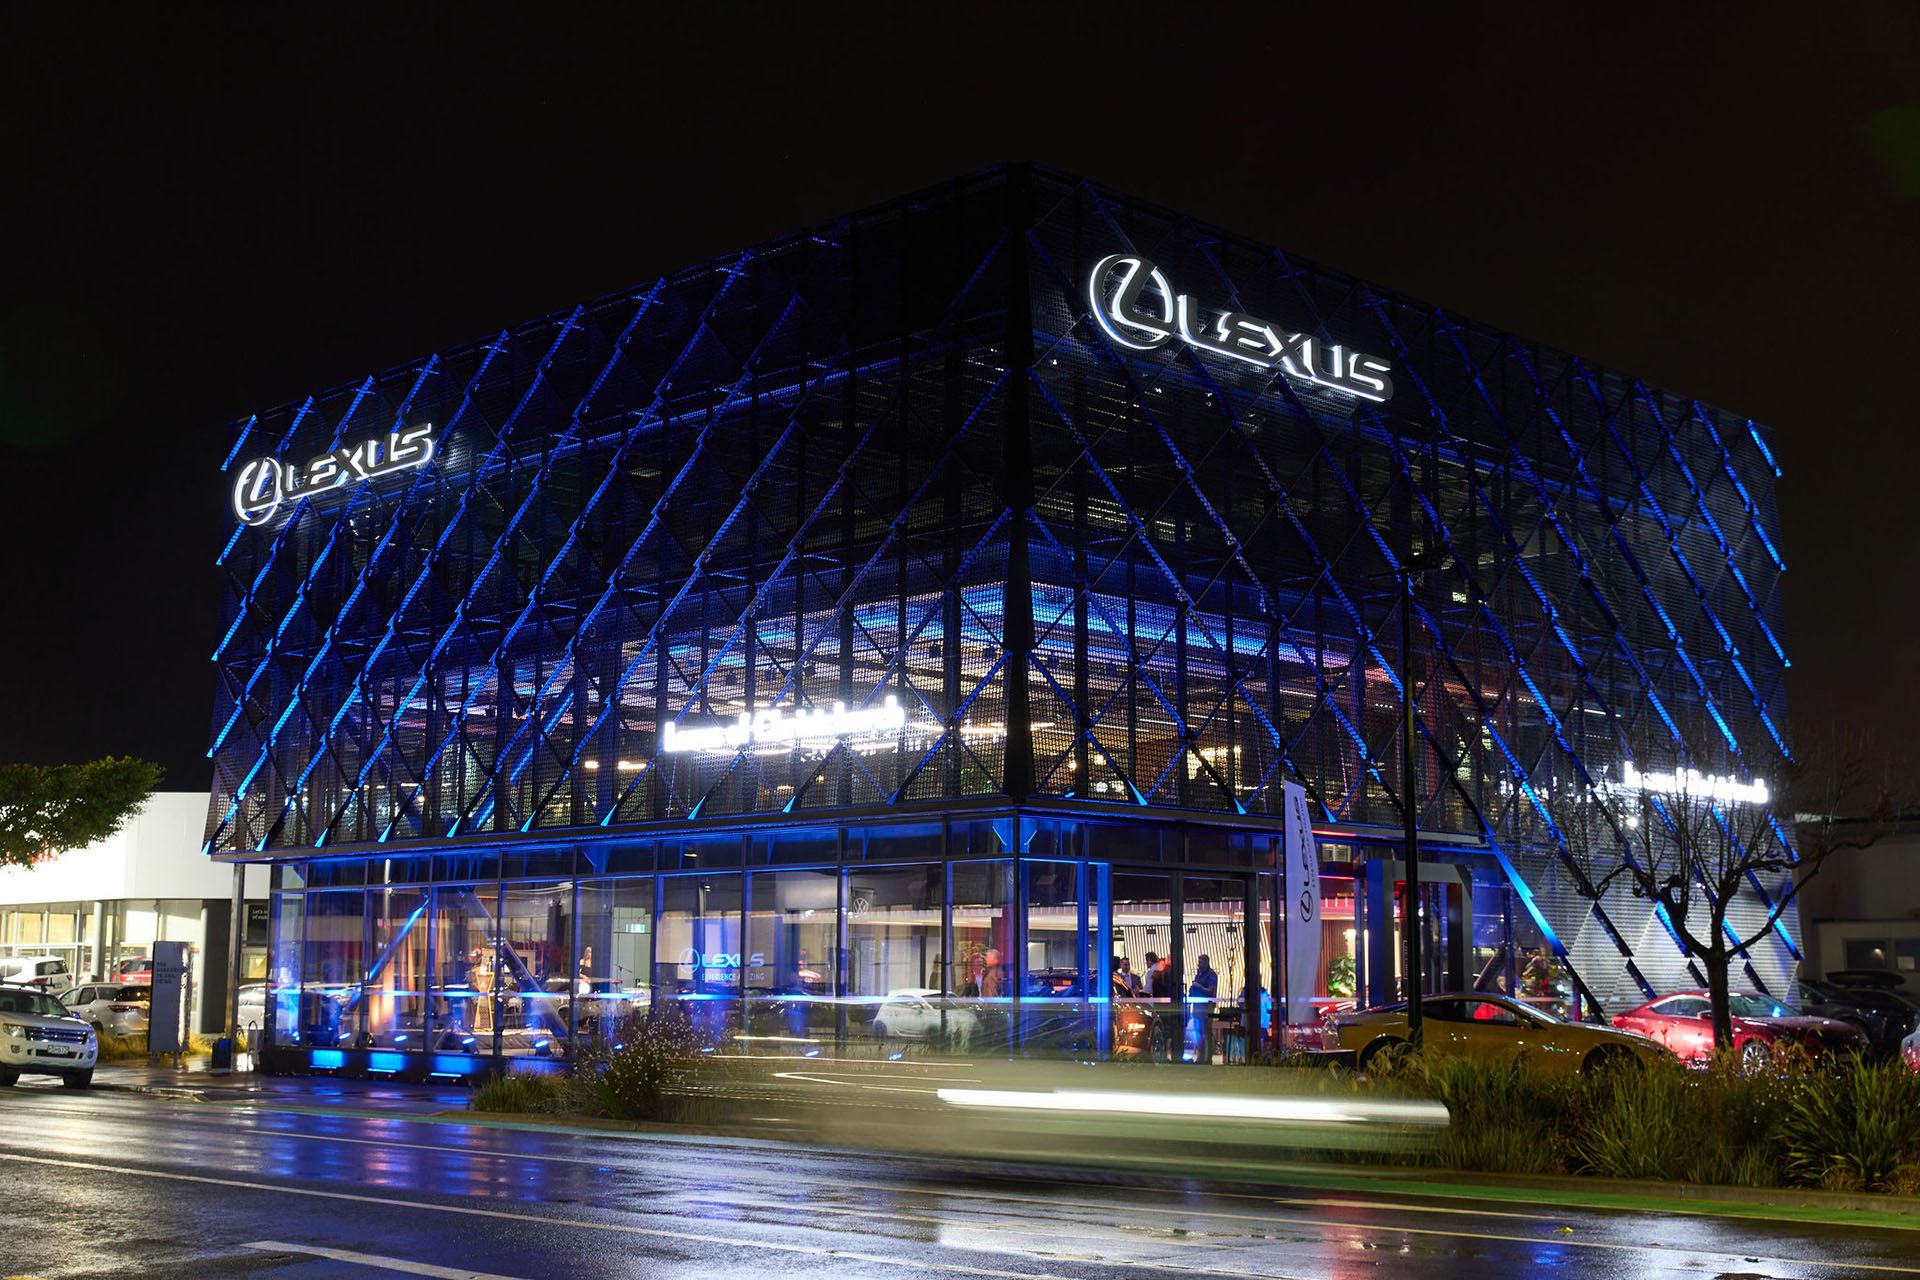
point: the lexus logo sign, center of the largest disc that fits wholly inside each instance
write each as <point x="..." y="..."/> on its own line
<point x="263" y="484"/>
<point x="1135" y="305"/>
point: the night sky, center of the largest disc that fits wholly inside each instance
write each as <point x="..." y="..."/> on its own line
<point x="208" y="216"/>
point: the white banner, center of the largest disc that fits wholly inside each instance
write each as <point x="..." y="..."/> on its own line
<point x="1300" y="886"/>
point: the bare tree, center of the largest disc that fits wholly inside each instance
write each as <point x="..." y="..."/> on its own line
<point x="1693" y="835"/>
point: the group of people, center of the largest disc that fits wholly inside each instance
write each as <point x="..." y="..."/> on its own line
<point x="1162" y="983"/>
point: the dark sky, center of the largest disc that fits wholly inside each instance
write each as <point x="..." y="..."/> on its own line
<point x="209" y="215"/>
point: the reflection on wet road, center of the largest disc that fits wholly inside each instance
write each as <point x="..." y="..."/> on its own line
<point x="115" y="1184"/>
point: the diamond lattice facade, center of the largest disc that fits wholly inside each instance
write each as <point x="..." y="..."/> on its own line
<point x="1015" y="528"/>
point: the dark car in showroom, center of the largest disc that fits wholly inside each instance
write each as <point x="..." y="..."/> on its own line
<point x="1762" y="1025"/>
<point x="1868" y="998"/>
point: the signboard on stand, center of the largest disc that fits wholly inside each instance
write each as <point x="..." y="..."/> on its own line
<point x="166" y="1025"/>
<point x="1301" y="888"/>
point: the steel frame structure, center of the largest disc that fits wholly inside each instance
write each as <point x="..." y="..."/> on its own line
<point x="892" y="456"/>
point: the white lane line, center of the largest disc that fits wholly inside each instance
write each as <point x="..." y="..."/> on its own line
<point x="620" y="1228"/>
<point x="405" y="1265"/>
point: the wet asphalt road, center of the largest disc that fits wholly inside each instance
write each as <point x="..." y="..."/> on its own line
<point x="112" y="1184"/>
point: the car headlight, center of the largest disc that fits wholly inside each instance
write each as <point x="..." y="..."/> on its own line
<point x="15" y="1031"/>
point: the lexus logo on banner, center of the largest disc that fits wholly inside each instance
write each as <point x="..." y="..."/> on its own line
<point x="1136" y="306"/>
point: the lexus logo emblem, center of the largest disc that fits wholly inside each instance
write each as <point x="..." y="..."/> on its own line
<point x="256" y="491"/>
<point x="263" y="484"/>
<point x="1136" y="306"/>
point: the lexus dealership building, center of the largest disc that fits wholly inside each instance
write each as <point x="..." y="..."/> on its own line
<point x="901" y="628"/>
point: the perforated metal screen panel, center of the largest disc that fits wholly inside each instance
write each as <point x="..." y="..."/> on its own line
<point x="890" y="467"/>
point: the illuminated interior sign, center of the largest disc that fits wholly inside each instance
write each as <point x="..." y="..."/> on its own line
<point x="1691" y="784"/>
<point x="774" y="727"/>
<point x="1134" y="304"/>
<point x="692" y="959"/>
<point x="262" y="484"/>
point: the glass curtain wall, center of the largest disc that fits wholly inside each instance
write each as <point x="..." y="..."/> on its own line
<point x="284" y="977"/>
<point x="466" y="939"/>
<point x="395" y="990"/>
<point x="537" y="977"/>
<point x="986" y="929"/>
<point x="697" y="956"/>
<point x="332" y="960"/>
<point x="896" y="966"/>
<point x="616" y="957"/>
<point x="788" y="968"/>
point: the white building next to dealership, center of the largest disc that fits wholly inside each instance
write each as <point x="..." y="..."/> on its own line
<point x="111" y="901"/>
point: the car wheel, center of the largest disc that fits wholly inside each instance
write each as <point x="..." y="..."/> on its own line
<point x="77" y="1079"/>
<point x="879" y="1031"/>
<point x="1611" y="1057"/>
<point x="1382" y="1054"/>
<point x="8" y="1079"/>
<point x="1755" y="1055"/>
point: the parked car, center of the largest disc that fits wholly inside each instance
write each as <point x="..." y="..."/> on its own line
<point x="48" y="973"/>
<point x="1910" y="1050"/>
<point x="1683" y="1022"/>
<point x="253" y="1006"/>
<point x="39" y="1037"/>
<point x="1867" y="999"/>
<point x="133" y="969"/>
<point x="914" y="1013"/>
<point x="1492" y="1028"/>
<point x="111" y="1008"/>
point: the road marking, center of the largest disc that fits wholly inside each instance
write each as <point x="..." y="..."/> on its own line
<point x="621" y="1228"/>
<point x="375" y="1260"/>
<point x="950" y="1267"/>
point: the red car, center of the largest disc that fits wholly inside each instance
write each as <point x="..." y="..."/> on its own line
<point x="1684" y="1023"/>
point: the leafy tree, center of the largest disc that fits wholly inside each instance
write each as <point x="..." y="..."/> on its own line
<point x="1690" y="847"/>
<point x="49" y="809"/>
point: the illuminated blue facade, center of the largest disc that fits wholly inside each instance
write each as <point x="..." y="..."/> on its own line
<point x="1120" y="567"/>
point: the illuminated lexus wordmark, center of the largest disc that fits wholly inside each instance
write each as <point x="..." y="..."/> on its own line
<point x="1135" y="305"/>
<point x="263" y="484"/>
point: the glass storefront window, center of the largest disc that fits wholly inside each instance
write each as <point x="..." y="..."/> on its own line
<point x="395" y="989"/>
<point x="537" y="976"/>
<point x="332" y="961"/>
<point x="985" y="929"/>
<point x="697" y="956"/>
<point x="788" y="969"/>
<point x="1147" y="1022"/>
<point x="896" y="970"/>
<point x="1056" y="1015"/>
<point x="1213" y="922"/>
<point x="616" y="955"/>
<point x="283" y="981"/>
<point x="465" y="945"/>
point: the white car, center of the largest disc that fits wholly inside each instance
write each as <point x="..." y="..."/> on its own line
<point x="253" y="1007"/>
<point x="39" y="1037"/>
<point x="112" y="1008"/>
<point x="48" y="973"/>
<point x="915" y="1013"/>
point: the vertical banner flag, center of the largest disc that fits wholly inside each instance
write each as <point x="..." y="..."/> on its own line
<point x="1302" y="887"/>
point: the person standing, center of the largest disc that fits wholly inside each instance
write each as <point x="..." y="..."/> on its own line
<point x="1127" y="977"/>
<point x="1205" y="981"/>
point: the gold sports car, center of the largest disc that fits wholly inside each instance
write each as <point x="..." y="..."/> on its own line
<point x="1493" y="1028"/>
